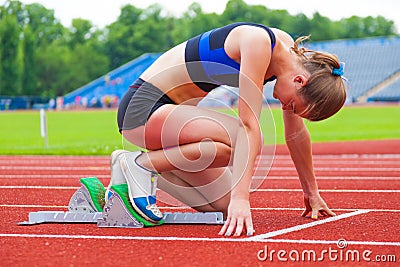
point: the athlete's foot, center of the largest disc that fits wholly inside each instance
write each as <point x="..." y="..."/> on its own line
<point x="142" y="186"/>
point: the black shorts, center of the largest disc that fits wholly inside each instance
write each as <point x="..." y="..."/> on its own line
<point x="139" y="102"/>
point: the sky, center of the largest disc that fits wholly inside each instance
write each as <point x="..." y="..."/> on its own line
<point x="104" y="12"/>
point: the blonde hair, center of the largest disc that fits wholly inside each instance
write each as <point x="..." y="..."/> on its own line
<point x="324" y="92"/>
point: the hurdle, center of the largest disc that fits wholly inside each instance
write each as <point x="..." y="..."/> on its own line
<point x="88" y="206"/>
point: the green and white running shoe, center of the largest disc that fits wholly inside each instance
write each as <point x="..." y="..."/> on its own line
<point x="142" y="185"/>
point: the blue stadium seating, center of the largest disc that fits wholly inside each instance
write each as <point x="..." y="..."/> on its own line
<point x="114" y="83"/>
<point x="390" y="93"/>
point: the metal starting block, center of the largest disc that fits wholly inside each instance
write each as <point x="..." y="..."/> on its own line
<point x="87" y="205"/>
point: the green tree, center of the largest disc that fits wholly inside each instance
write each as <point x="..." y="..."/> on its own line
<point x="384" y="27"/>
<point x="118" y="45"/>
<point x="299" y="25"/>
<point x="29" y="78"/>
<point x="80" y="32"/>
<point x="321" y="28"/>
<point x="44" y="25"/>
<point x="235" y="10"/>
<point x="9" y="43"/>
<point x="353" y="27"/>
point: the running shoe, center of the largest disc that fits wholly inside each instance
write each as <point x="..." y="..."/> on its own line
<point x="117" y="177"/>
<point x="142" y="186"/>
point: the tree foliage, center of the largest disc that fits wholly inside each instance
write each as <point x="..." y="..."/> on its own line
<point x="40" y="56"/>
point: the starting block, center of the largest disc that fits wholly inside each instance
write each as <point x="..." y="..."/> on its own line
<point x="87" y="205"/>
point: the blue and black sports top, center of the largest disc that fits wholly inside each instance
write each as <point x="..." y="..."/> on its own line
<point x="208" y="64"/>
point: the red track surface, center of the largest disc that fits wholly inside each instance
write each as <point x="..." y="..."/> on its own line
<point x="358" y="179"/>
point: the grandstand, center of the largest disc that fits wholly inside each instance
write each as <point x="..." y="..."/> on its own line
<point x="370" y="64"/>
<point x="112" y="85"/>
<point x="390" y="93"/>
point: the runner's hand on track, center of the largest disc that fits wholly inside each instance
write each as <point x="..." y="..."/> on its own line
<point x="239" y="219"/>
<point x="315" y="205"/>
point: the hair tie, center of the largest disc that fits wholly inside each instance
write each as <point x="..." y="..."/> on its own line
<point x="338" y="71"/>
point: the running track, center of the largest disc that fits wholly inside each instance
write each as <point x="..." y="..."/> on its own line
<point x="360" y="181"/>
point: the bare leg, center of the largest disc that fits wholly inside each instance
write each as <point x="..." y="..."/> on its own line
<point x="191" y="147"/>
<point x="208" y="190"/>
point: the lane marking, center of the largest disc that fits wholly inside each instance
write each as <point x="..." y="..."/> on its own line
<point x="189" y="208"/>
<point x="32" y="206"/>
<point x="257" y="177"/>
<point x="337" y="162"/>
<point x="334" y="209"/>
<point x="105" y="159"/>
<point x="221" y="239"/>
<point x="340" y="156"/>
<point x="330" y="190"/>
<point x="55" y="168"/>
<point x="308" y="225"/>
<point x="347" y="169"/>
<point x="340" y="178"/>
<point x="265" y="161"/>
<point x="38" y="187"/>
<point x="257" y="190"/>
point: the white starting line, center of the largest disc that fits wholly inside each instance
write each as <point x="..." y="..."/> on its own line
<point x="262" y="238"/>
<point x="39" y="187"/>
<point x="189" y="208"/>
<point x="307" y="225"/>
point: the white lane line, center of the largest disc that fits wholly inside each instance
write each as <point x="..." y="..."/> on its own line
<point x="329" y="190"/>
<point x="39" y="187"/>
<point x="341" y="178"/>
<point x="334" y="209"/>
<point x="341" y="162"/>
<point x="347" y="169"/>
<point x="307" y="225"/>
<point x="287" y="161"/>
<point x="33" y="206"/>
<point x="203" y="239"/>
<point x="189" y="208"/>
<point x="55" y="168"/>
<point x="257" y="177"/>
<point x="341" y="156"/>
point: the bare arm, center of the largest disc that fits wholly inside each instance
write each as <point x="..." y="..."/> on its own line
<point x="247" y="145"/>
<point x="299" y="144"/>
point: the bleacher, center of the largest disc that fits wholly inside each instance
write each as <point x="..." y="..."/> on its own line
<point x="390" y="93"/>
<point x="369" y="62"/>
<point x="111" y="86"/>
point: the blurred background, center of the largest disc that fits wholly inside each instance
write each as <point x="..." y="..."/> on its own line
<point x="74" y="63"/>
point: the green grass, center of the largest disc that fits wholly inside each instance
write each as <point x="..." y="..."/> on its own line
<point x="95" y="132"/>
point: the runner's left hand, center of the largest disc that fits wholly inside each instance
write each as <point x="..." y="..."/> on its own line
<point x="239" y="219"/>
